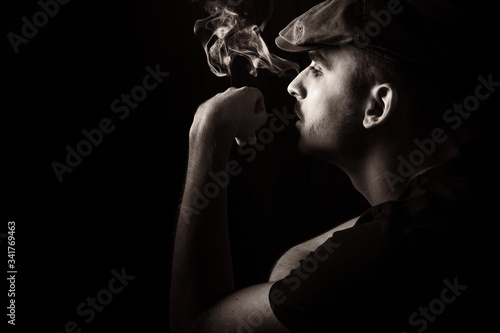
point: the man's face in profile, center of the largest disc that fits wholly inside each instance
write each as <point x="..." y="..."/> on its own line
<point x="329" y="104"/>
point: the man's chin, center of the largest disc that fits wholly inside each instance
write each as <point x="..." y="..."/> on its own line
<point x="310" y="149"/>
<point x="305" y="147"/>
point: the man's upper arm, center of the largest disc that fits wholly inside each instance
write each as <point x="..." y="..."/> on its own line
<point x="291" y="259"/>
<point x="249" y="309"/>
<point x="246" y="310"/>
<point x="315" y="242"/>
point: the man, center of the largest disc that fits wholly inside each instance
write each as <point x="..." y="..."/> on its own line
<point x="373" y="103"/>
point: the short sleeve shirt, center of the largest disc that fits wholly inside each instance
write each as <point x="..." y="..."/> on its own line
<point x="405" y="266"/>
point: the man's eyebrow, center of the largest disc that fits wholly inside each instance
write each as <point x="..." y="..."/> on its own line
<point x="319" y="58"/>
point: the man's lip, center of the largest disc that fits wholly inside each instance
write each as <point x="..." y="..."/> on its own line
<point x="298" y="112"/>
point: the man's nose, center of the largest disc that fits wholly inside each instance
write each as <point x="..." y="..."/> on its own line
<point x="296" y="87"/>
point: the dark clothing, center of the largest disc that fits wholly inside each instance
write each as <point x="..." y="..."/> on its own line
<point x="408" y="265"/>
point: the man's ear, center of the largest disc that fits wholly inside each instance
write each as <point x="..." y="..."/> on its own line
<point x="382" y="104"/>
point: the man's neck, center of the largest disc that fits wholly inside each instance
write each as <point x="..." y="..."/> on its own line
<point x="384" y="176"/>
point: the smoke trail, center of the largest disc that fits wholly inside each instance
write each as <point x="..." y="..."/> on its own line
<point x="230" y="32"/>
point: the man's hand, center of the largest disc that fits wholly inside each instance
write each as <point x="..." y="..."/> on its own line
<point x="235" y="113"/>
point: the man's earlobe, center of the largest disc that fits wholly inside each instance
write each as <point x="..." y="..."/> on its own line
<point x="381" y="106"/>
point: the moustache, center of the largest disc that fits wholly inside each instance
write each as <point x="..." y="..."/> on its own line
<point x="298" y="111"/>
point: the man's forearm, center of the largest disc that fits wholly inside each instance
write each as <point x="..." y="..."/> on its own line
<point x="202" y="269"/>
<point x="202" y="274"/>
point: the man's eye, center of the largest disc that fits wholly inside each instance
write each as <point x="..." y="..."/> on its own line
<point x="316" y="72"/>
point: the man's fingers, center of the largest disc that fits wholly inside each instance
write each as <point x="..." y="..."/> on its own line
<point x="260" y="105"/>
<point x="240" y="142"/>
<point x="250" y="140"/>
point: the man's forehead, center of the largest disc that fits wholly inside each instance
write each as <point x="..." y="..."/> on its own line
<point x="325" y="55"/>
<point x="318" y="55"/>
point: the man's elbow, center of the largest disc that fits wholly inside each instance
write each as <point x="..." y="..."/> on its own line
<point x="182" y="321"/>
<point x="181" y="325"/>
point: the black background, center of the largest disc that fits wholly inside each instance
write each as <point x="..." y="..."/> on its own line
<point x="117" y="209"/>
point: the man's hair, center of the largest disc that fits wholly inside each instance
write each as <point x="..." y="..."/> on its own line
<point x="429" y="91"/>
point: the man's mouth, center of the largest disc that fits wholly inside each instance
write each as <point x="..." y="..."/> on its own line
<point x="298" y="111"/>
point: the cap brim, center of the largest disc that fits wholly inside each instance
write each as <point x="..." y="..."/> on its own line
<point x="289" y="47"/>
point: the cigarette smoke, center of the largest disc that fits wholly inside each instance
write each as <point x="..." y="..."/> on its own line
<point x="230" y="31"/>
